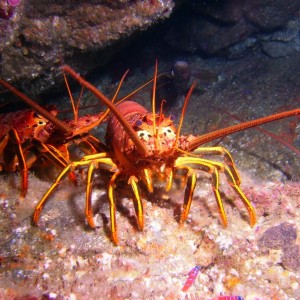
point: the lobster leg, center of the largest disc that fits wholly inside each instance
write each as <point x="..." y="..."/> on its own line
<point x="146" y="176"/>
<point x="43" y="201"/>
<point x="188" y="194"/>
<point x="170" y="176"/>
<point x="101" y="161"/>
<point x="226" y="156"/>
<point x="88" y="202"/>
<point x="206" y="167"/>
<point x="54" y="155"/>
<point x="138" y="205"/>
<point x="22" y="161"/>
<point x="112" y="203"/>
<point x="214" y="168"/>
<point x="97" y="160"/>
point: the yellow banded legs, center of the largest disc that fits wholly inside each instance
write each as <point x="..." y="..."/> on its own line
<point x="214" y="168"/>
<point x="170" y="175"/>
<point x="22" y="162"/>
<point x="138" y="205"/>
<point x="188" y="194"/>
<point x="112" y="207"/>
<point x="41" y="204"/>
<point x="226" y="156"/>
<point x="146" y="176"/>
<point x="88" y="200"/>
<point x="191" y="184"/>
<point x="245" y="200"/>
<point x="92" y="161"/>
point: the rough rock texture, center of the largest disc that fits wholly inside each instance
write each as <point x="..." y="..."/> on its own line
<point x="279" y="236"/>
<point x="64" y="259"/>
<point x="214" y="26"/>
<point x="37" y="36"/>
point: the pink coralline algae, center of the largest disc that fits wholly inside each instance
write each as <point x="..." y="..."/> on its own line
<point x="7" y="8"/>
<point x="14" y="2"/>
<point x="279" y="236"/>
<point x="283" y="237"/>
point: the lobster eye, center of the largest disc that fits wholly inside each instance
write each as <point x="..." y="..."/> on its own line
<point x="138" y="123"/>
<point x="36" y="115"/>
<point x="144" y="135"/>
<point x="172" y="118"/>
<point x="168" y="132"/>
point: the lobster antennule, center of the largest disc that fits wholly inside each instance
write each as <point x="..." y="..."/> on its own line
<point x="186" y="101"/>
<point x="140" y="146"/>
<point x="74" y="107"/>
<point x="205" y="138"/>
<point x="105" y="114"/>
<point x="153" y="106"/>
<point x="43" y="112"/>
<point x="161" y="111"/>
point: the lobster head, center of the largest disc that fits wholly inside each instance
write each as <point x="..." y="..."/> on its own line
<point x="155" y="131"/>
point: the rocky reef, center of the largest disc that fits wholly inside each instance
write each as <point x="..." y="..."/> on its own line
<point x="244" y="57"/>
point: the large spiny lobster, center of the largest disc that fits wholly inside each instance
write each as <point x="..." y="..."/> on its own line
<point x="141" y="144"/>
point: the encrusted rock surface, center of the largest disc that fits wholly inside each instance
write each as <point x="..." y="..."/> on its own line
<point x="38" y="36"/>
<point x="64" y="259"/>
<point x="213" y="27"/>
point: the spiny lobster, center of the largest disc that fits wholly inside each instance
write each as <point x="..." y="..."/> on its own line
<point x="141" y="144"/>
<point x="29" y="134"/>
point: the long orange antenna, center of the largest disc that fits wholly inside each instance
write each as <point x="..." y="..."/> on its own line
<point x="139" y="88"/>
<point x="140" y="146"/>
<point x="186" y="101"/>
<point x="104" y="115"/>
<point x="161" y="111"/>
<point x="239" y="127"/>
<point x="75" y="108"/>
<point x="43" y="112"/>
<point x="153" y="100"/>
<point x="119" y="86"/>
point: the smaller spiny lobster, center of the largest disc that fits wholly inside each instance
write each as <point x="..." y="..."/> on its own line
<point x="29" y="134"/>
<point x="142" y="144"/>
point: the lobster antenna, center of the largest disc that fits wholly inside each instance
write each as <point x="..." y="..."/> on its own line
<point x="161" y="110"/>
<point x="104" y="115"/>
<point x="186" y="101"/>
<point x="75" y="111"/>
<point x="119" y="86"/>
<point x="153" y="99"/>
<point x="239" y="127"/>
<point x="139" y="88"/>
<point x="101" y="116"/>
<point x="132" y="134"/>
<point x="79" y="98"/>
<point x="43" y="112"/>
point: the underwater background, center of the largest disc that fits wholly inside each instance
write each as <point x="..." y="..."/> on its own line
<point x="245" y="59"/>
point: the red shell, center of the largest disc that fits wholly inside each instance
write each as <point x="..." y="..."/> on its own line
<point x="116" y="136"/>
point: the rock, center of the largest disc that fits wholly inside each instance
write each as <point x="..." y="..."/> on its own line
<point x="230" y="11"/>
<point x="279" y="236"/>
<point x="270" y="15"/>
<point x="278" y="49"/>
<point x="38" y="36"/>
<point x="216" y="28"/>
<point x="291" y="257"/>
<point x="206" y="36"/>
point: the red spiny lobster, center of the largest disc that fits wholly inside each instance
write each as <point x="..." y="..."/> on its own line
<point x="142" y="144"/>
<point x="28" y="134"/>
